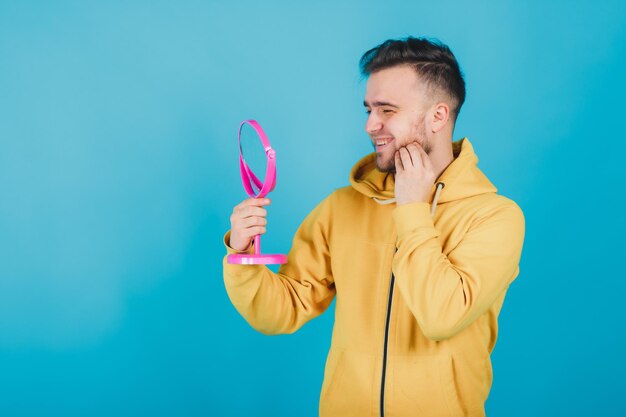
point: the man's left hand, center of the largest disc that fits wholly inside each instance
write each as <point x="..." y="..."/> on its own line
<point x="414" y="175"/>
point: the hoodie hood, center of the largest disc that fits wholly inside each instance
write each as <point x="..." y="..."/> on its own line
<point x="461" y="179"/>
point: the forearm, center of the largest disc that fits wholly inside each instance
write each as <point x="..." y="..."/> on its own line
<point x="275" y="303"/>
<point x="447" y="293"/>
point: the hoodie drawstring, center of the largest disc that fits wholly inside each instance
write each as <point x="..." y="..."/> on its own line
<point x="433" y="206"/>
<point x="383" y="202"/>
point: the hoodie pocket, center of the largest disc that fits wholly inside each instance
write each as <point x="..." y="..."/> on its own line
<point x="348" y="385"/>
<point x="423" y="385"/>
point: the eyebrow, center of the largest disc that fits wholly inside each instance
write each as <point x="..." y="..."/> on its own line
<point x="379" y="103"/>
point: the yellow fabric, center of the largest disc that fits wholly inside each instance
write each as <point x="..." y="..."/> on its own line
<point x="451" y="275"/>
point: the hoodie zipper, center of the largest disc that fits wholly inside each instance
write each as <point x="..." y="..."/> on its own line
<point x="387" y="320"/>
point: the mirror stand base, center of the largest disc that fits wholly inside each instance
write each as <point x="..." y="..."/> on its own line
<point x="261" y="259"/>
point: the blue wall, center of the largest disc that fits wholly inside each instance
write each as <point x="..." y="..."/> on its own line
<point x="118" y="174"/>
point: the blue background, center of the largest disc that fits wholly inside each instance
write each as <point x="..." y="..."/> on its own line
<point x="118" y="175"/>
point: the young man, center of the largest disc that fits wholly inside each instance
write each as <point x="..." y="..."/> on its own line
<point x="419" y="251"/>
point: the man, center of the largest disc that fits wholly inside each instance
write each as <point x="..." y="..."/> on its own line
<point x="419" y="251"/>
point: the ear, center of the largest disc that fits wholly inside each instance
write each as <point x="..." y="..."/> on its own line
<point x="440" y="116"/>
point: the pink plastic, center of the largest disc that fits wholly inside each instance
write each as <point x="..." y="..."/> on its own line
<point x="250" y="182"/>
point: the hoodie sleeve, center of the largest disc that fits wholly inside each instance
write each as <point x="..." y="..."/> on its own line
<point x="447" y="293"/>
<point x="275" y="303"/>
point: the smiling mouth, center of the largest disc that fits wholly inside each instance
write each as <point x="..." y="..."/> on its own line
<point x="381" y="144"/>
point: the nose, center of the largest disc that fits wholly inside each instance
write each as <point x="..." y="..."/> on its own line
<point x="373" y="124"/>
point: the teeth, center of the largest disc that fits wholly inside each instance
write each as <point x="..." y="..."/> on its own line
<point x="382" y="142"/>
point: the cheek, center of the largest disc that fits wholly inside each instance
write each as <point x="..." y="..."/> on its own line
<point x="394" y="129"/>
<point x="399" y="128"/>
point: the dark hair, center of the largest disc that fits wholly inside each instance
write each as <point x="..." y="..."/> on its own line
<point x="432" y="60"/>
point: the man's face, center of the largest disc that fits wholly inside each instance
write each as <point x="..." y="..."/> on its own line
<point x="396" y="101"/>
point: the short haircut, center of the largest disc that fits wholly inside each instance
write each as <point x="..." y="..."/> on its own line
<point x="433" y="61"/>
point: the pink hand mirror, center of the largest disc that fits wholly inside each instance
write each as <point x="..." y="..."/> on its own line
<point x="263" y="160"/>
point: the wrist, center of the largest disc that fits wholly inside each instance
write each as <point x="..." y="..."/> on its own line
<point x="234" y="245"/>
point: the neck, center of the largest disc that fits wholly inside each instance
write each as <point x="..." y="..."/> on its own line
<point x="441" y="155"/>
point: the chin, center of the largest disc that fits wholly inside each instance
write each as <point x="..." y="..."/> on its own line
<point x="385" y="166"/>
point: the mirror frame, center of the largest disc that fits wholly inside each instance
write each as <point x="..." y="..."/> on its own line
<point x="247" y="175"/>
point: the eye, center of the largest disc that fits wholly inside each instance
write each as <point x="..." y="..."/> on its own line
<point x="387" y="111"/>
<point x="367" y="112"/>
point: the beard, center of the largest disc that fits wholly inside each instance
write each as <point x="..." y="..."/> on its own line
<point x="419" y="136"/>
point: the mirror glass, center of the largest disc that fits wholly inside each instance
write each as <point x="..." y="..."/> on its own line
<point x="254" y="155"/>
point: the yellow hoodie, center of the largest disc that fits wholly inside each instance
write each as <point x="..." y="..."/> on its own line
<point x="418" y="290"/>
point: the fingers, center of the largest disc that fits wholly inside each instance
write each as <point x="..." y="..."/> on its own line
<point x="254" y="202"/>
<point x="254" y="221"/>
<point x="251" y="232"/>
<point x="412" y="155"/>
<point x="417" y="154"/>
<point x="407" y="157"/>
<point x="250" y="213"/>
<point x="399" y="166"/>
<point x="403" y="159"/>
<point x="426" y="162"/>
<point x="252" y="206"/>
<point x="248" y="220"/>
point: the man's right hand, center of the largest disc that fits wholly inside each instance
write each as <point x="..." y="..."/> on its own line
<point x="248" y="220"/>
